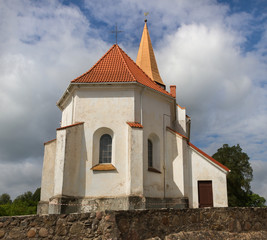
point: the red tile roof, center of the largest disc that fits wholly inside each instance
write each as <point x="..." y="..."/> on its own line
<point x="200" y="151"/>
<point x="117" y="66"/>
<point x="209" y="157"/>
<point x="178" y="133"/>
<point x="50" y="141"/>
<point x="180" y="106"/>
<point x="72" y="125"/>
<point x="135" y="124"/>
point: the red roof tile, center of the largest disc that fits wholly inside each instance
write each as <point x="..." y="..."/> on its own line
<point x="200" y="151"/>
<point x="50" y="141"/>
<point x="178" y="133"/>
<point x="72" y="125"/>
<point x="180" y="106"/>
<point x="117" y="66"/>
<point x="209" y="157"/>
<point x="135" y="124"/>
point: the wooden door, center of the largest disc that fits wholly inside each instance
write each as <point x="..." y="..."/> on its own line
<point x="205" y="196"/>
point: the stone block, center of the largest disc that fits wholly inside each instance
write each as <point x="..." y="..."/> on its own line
<point x="43" y="232"/>
<point x="15" y="233"/>
<point x="76" y="228"/>
<point x="31" y="233"/>
<point x="2" y="233"/>
<point x="247" y="226"/>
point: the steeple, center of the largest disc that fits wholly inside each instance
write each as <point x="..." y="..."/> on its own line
<point x="146" y="59"/>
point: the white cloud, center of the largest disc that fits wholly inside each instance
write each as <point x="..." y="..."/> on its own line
<point x="259" y="184"/>
<point x="45" y="45"/>
<point x="199" y="46"/>
<point x="220" y="86"/>
<point x="215" y="81"/>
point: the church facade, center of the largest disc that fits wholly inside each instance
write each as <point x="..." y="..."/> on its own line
<point x="124" y="143"/>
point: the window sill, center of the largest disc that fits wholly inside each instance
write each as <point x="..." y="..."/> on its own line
<point x="103" y="167"/>
<point x="151" y="169"/>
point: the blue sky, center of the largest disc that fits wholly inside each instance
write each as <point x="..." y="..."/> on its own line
<point x="214" y="51"/>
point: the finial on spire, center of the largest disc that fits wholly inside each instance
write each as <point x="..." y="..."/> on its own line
<point x="116" y="33"/>
<point x="145" y="14"/>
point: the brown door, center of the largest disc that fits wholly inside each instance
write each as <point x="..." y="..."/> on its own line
<point x="205" y="196"/>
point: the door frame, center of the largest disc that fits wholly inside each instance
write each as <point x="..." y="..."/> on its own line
<point x="210" y="201"/>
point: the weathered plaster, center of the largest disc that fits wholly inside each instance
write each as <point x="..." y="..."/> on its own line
<point x="47" y="189"/>
<point x="204" y="169"/>
<point x="106" y="109"/>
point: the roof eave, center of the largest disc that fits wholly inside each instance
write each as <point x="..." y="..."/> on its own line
<point x="71" y="86"/>
<point x="65" y="96"/>
<point x="120" y="83"/>
<point x="210" y="159"/>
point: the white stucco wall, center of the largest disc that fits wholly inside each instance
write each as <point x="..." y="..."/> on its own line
<point x="181" y="117"/>
<point x="67" y="113"/>
<point x="156" y="115"/>
<point x="101" y="108"/>
<point x="59" y="162"/>
<point x="47" y="185"/>
<point x="174" y="166"/>
<point x="135" y="162"/>
<point x="106" y="109"/>
<point x="204" y="169"/>
<point x="74" y="165"/>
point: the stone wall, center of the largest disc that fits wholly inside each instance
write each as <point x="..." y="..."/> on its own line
<point x="210" y="223"/>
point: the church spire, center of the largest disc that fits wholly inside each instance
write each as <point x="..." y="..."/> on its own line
<point x="146" y="59"/>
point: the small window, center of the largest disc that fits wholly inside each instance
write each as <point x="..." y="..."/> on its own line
<point x="150" y="153"/>
<point x="105" y="149"/>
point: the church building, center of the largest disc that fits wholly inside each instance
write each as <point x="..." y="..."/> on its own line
<point x="124" y="143"/>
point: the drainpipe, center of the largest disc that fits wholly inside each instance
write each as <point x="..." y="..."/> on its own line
<point x="72" y="112"/>
<point x="164" y="153"/>
<point x="141" y="106"/>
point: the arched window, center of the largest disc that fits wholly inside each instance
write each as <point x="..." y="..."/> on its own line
<point x="105" y="149"/>
<point x="150" y="153"/>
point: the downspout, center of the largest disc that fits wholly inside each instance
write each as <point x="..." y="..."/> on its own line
<point x="164" y="154"/>
<point x="72" y="112"/>
<point x="141" y="106"/>
<point x="141" y="122"/>
<point x="189" y="128"/>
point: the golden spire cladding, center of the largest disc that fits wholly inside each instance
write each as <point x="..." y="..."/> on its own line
<point x="146" y="59"/>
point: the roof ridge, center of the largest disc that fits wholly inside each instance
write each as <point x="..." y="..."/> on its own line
<point x="125" y="62"/>
<point x="95" y="63"/>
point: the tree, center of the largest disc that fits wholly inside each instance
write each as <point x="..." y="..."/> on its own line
<point x="25" y="197"/>
<point x="5" y="199"/>
<point x="256" y="200"/>
<point x="24" y="204"/>
<point x="240" y="177"/>
<point x="36" y="195"/>
<point x="3" y="211"/>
